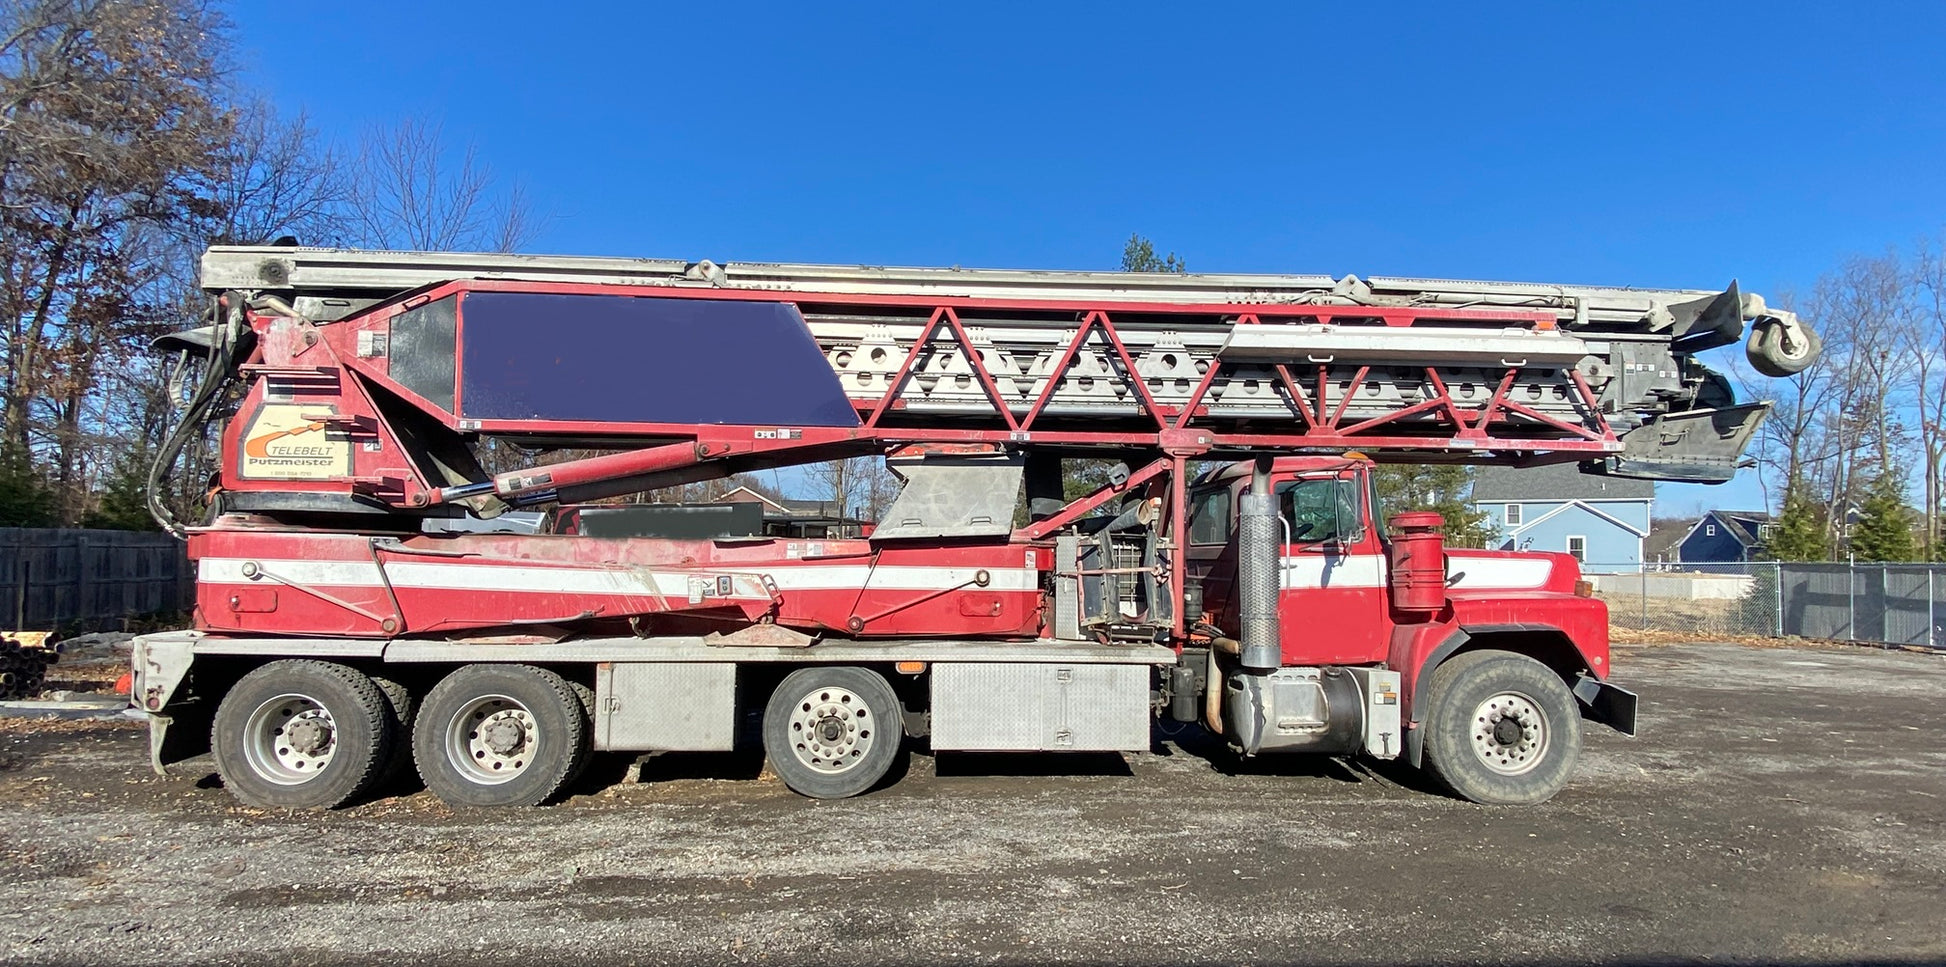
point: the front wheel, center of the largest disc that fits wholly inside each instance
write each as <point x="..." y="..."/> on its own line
<point x="1501" y="729"/>
<point x="832" y="732"/>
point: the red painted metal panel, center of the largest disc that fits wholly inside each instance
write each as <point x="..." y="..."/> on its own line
<point x="258" y="581"/>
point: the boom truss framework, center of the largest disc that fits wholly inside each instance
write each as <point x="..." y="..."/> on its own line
<point x="1190" y="365"/>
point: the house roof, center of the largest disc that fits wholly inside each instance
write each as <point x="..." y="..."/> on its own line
<point x="1743" y="524"/>
<point x="791" y="508"/>
<point x="1665" y="535"/>
<point x="746" y="494"/>
<point x="1555" y="483"/>
<point x="1585" y="506"/>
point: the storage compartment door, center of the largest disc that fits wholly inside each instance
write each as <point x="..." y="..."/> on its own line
<point x="1039" y="707"/>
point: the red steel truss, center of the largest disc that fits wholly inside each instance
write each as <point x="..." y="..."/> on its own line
<point x="1502" y="427"/>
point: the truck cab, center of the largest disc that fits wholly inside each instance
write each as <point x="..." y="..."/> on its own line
<point x="1376" y="617"/>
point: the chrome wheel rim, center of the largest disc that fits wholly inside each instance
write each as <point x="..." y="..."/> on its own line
<point x="831" y="730"/>
<point x="290" y="739"/>
<point x="1510" y="733"/>
<point x="492" y="739"/>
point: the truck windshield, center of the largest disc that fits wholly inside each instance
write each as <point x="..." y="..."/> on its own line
<point x="1320" y="509"/>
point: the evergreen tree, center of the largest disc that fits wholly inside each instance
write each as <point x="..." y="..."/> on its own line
<point x="1445" y="489"/>
<point x="1801" y="534"/>
<point x="1884" y="531"/>
<point x="124" y="504"/>
<point x="25" y="499"/>
<point x="1139" y="256"/>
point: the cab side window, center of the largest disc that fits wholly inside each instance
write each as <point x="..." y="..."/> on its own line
<point x="1319" y="510"/>
<point x="1209" y="517"/>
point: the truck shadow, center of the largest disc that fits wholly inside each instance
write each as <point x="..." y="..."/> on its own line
<point x="740" y="765"/>
<point x="961" y="765"/>
<point x="1198" y="742"/>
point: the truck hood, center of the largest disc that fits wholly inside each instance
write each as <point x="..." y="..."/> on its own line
<point x="1472" y="570"/>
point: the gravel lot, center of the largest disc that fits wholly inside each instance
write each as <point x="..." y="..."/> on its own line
<point x="1781" y="805"/>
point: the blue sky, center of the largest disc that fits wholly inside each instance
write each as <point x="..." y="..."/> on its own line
<point x="1658" y="145"/>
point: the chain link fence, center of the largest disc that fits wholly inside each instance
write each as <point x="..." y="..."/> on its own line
<point x="1895" y="604"/>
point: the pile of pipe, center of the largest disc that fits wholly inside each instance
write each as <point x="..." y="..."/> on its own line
<point x="23" y="668"/>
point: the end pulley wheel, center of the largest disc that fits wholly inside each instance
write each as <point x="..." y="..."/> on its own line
<point x="1777" y="348"/>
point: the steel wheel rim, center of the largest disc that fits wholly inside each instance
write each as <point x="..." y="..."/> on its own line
<point x="831" y="730"/>
<point x="290" y="739"/>
<point x="492" y="739"/>
<point x="1510" y="734"/>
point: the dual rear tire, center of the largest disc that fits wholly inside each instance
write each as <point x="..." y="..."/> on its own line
<point x="304" y="734"/>
<point x="501" y="735"/>
<point x="301" y="734"/>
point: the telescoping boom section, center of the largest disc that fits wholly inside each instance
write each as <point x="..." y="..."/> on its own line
<point x="368" y="387"/>
<point x="622" y="352"/>
<point x="1234" y="568"/>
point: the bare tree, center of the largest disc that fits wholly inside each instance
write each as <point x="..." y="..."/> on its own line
<point x="1927" y="336"/>
<point x="1791" y="445"/>
<point x="412" y="191"/>
<point x="279" y="178"/>
<point x="1859" y="428"/>
<point x="110" y="128"/>
<point x="858" y="487"/>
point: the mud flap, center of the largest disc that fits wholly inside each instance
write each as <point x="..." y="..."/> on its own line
<point x="1697" y="446"/>
<point x="1611" y="705"/>
<point x="182" y="734"/>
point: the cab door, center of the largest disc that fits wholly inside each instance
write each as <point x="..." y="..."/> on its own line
<point x="1211" y="556"/>
<point x="1332" y="606"/>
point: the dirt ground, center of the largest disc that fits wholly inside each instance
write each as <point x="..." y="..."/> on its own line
<point x="1781" y="806"/>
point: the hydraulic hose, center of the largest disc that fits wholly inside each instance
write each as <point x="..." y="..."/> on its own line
<point x="220" y="371"/>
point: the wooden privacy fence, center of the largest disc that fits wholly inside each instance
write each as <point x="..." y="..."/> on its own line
<point x="80" y="580"/>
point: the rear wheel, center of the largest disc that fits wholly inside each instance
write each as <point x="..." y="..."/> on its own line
<point x="1501" y="729"/>
<point x="832" y="732"/>
<point x="302" y="735"/>
<point x="500" y="735"/>
<point x="404" y="706"/>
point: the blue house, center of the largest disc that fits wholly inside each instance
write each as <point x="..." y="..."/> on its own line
<point x="1726" y="537"/>
<point x="1600" y="520"/>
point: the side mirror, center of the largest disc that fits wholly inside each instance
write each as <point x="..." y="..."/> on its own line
<point x="1346" y="531"/>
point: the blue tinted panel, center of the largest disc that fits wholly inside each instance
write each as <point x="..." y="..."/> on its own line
<point x="632" y="359"/>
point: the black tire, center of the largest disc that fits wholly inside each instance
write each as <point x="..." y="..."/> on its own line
<point x="1501" y="729"/>
<point x="348" y="735"/>
<point x="1768" y="355"/>
<point x="405" y="706"/>
<point x="531" y="737"/>
<point x="858" y="735"/>
<point x="587" y="697"/>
